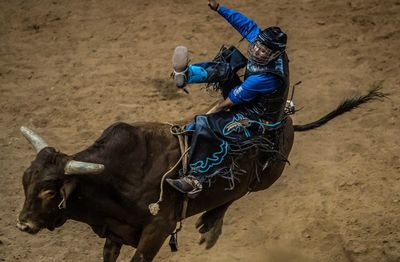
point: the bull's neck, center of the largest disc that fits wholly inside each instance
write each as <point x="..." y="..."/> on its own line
<point x="92" y="201"/>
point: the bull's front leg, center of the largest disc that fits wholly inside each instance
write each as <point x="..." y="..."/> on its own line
<point x="152" y="238"/>
<point x="111" y="250"/>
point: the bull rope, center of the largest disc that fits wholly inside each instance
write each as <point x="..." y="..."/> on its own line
<point x="154" y="208"/>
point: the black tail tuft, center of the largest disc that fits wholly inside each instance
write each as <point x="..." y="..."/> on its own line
<point x="346" y="106"/>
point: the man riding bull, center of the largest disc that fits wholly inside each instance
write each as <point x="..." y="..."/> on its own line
<point x="250" y="111"/>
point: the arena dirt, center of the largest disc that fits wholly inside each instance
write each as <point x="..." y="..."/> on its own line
<point x="68" y="69"/>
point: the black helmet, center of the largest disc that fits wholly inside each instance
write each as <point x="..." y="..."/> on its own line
<point x="273" y="38"/>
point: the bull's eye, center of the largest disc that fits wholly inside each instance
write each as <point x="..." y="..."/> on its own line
<point x="47" y="194"/>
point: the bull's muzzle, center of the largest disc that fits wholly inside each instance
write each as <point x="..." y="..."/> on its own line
<point x="27" y="227"/>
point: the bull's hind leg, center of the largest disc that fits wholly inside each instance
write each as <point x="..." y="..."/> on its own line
<point x="210" y="225"/>
<point x="111" y="251"/>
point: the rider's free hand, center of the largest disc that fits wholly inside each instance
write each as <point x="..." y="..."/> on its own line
<point x="213" y="4"/>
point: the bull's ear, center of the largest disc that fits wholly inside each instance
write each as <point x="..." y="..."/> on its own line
<point x="66" y="190"/>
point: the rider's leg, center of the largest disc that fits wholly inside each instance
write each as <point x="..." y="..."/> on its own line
<point x="208" y="72"/>
<point x="207" y="153"/>
<point x="191" y="183"/>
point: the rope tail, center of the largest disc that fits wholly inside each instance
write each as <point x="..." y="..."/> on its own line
<point x="346" y="106"/>
<point x="180" y="132"/>
<point x="155" y="207"/>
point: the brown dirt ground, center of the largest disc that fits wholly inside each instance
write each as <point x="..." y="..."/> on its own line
<point x="69" y="69"/>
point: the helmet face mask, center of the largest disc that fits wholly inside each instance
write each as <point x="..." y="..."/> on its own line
<point x="259" y="53"/>
<point x="270" y="43"/>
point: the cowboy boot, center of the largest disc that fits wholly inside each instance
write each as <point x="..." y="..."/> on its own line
<point x="188" y="185"/>
<point x="180" y="62"/>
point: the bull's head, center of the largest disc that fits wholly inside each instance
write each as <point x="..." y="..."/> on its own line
<point x="47" y="186"/>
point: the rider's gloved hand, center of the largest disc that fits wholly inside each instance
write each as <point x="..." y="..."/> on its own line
<point x="213" y="4"/>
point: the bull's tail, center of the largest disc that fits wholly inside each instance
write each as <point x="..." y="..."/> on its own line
<point x="346" y="106"/>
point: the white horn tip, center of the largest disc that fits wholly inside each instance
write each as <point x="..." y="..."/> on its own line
<point x="37" y="142"/>
<point x="23" y="129"/>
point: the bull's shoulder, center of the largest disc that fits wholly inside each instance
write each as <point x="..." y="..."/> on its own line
<point x="149" y="127"/>
<point x="142" y="126"/>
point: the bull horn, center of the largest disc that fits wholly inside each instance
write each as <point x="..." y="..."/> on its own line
<point x="36" y="141"/>
<point x="79" y="168"/>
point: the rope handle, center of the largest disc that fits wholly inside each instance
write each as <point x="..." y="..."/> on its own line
<point x="154" y="208"/>
<point x="178" y="131"/>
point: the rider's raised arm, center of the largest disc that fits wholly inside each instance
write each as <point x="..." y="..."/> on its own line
<point x="244" y="25"/>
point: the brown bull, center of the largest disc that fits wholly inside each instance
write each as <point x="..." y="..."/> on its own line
<point x="124" y="168"/>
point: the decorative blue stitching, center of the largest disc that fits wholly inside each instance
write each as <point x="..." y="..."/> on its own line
<point x="235" y="118"/>
<point x="274" y="124"/>
<point x="238" y="117"/>
<point x="216" y="159"/>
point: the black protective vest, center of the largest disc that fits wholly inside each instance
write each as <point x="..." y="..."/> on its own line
<point x="269" y="107"/>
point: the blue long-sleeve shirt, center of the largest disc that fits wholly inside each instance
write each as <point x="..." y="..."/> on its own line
<point x="254" y="84"/>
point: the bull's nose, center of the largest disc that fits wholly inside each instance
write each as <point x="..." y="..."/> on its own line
<point x="27" y="227"/>
<point x="22" y="226"/>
